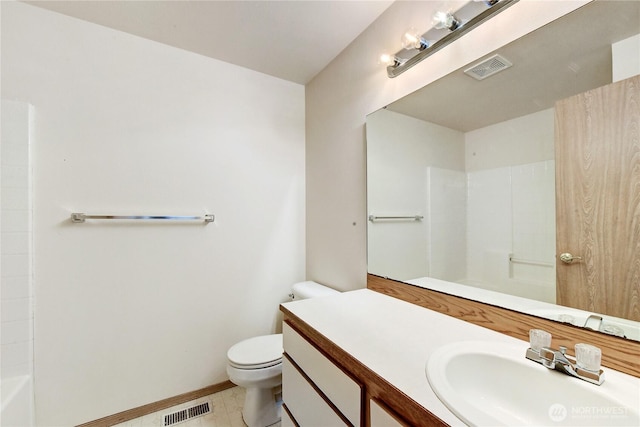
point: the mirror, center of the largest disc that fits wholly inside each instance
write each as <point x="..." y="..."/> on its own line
<point x="461" y="185"/>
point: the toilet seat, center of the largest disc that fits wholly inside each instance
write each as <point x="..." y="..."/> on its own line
<point x="257" y="352"/>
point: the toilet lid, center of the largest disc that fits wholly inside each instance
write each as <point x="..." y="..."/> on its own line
<point x="256" y="352"/>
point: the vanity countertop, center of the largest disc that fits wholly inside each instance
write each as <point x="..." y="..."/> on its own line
<point x="391" y="337"/>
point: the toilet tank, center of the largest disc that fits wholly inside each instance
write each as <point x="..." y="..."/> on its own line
<point x="310" y="289"/>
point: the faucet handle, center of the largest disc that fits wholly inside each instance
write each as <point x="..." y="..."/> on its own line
<point x="539" y="339"/>
<point x="588" y="357"/>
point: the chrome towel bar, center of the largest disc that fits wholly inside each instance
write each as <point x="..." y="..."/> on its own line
<point x="373" y="218"/>
<point x="81" y="217"/>
<point x="530" y="262"/>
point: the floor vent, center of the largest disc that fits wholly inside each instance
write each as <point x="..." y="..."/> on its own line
<point x="186" y="414"/>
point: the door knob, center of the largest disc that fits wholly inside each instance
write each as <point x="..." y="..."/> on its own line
<point x="567" y="258"/>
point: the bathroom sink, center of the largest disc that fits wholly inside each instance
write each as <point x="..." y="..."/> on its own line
<point x="492" y="383"/>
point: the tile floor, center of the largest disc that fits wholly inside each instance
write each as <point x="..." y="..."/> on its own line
<point x="227" y="412"/>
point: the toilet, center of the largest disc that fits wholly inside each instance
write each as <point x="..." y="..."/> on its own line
<point x="256" y="365"/>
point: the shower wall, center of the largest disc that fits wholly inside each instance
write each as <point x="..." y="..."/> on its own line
<point x="15" y="241"/>
<point x="511" y="205"/>
<point x="511" y="215"/>
<point x="447" y="223"/>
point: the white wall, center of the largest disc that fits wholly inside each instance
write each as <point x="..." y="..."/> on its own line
<point x="130" y="313"/>
<point x="626" y="60"/>
<point x="351" y="87"/>
<point x="526" y="139"/>
<point x="399" y="151"/>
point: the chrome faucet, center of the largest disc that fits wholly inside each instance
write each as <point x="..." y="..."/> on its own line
<point x="559" y="360"/>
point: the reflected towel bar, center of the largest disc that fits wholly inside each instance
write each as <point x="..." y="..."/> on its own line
<point x="373" y="218"/>
<point x="80" y="217"/>
<point x="530" y="262"/>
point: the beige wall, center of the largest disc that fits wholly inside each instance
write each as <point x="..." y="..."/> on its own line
<point x="351" y="87"/>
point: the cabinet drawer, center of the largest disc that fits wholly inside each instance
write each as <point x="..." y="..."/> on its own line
<point x="286" y="418"/>
<point x="343" y="391"/>
<point x="380" y="416"/>
<point x="307" y="407"/>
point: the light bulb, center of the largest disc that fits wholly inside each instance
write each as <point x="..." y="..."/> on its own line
<point x="386" y="59"/>
<point x="411" y="39"/>
<point x="443" y="20"/>
<point x="390" y="60"/>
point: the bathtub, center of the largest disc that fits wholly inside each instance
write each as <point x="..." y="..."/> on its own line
<point x="17" y="402"/>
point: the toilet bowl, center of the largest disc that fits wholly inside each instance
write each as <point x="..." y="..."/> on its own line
<point x="256" y="365"/>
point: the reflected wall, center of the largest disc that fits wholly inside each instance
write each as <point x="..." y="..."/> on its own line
<point x="486" y="197"/>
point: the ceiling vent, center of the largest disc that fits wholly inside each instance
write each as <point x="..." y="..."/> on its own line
<point x="488" y="67"/>
<point x="187" y="414"/>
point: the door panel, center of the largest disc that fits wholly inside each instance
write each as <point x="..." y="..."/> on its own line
<point x="598" y="199"/>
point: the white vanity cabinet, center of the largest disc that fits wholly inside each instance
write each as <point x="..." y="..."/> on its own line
<point x="380" y="416"/>
<point x="337" y="364"/>
<point x="286" y="419"/>
<point x="315" y="391"/>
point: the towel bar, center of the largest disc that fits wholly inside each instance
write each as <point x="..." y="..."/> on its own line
<point x="530" y="262"/>
<point x="373" y="218"/>
<point x="81" y="217"/>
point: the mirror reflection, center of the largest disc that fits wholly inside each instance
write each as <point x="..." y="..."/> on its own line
<point x="461" y="176"/>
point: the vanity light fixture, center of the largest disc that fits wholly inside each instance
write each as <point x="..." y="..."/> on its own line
<point x="447" y="27"/>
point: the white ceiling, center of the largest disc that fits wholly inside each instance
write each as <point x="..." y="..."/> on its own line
<point x="290" y="39"/>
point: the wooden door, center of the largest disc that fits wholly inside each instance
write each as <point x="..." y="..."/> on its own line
<point x="598" y="199"/>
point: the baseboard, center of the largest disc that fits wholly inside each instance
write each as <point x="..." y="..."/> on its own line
<point x="157" y="406"/>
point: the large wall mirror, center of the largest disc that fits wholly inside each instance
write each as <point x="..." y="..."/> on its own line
<point x="468" y="186"/>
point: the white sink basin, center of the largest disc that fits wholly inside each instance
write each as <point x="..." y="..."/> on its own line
<point x="492" y="383"/>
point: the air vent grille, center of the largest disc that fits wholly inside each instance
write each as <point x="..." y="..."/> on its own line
<point x="186" y="414"/>
<point x="488" y="67"/>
